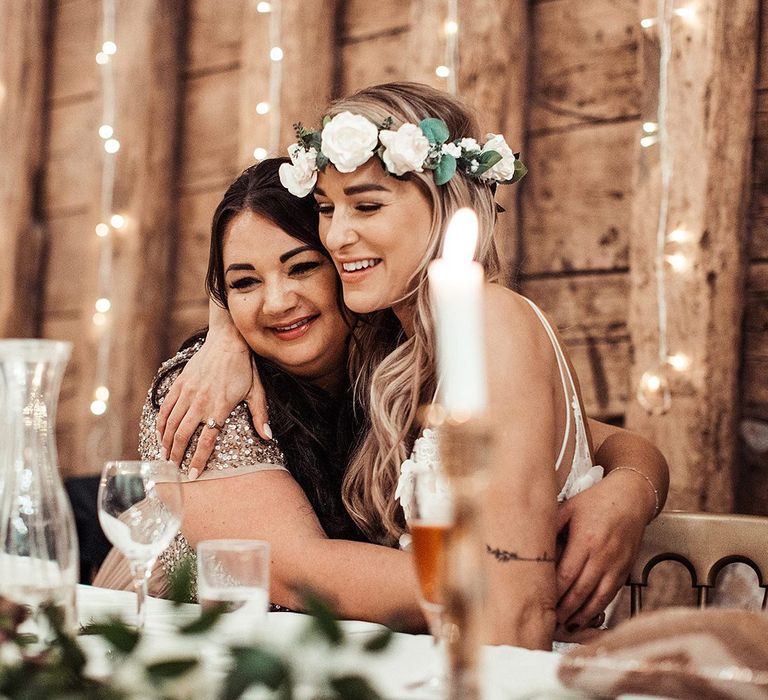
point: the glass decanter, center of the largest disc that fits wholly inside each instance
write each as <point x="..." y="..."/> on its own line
<point x="39" y="562"/>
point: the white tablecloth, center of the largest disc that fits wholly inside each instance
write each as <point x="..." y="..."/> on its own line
<point x="510" y="672"/>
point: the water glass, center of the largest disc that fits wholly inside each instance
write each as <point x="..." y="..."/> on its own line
<point x="235" y="574"/>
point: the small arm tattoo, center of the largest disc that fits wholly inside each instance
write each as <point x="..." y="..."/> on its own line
<point x="503" y="555"/>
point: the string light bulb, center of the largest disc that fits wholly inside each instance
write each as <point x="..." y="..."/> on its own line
<point x="102" y="230"/>
<point x="117" y="221"/>
<point x="111" y="145"/>
<point x="653" y="391"/>
<point x="262" y="108"/>
<point x="106" y="131"/>
<point x="650" y="127"/>
<point x="259" y="153"/>
<point x="442" y="71"/>
<point x="650" y="140"/>
<point x="103" y="305"/>
<point x="687" y="13"/>
<point x="99" y="319"/>
<point x="276" y="54"/>
<point x="680" y="362"/>
<point x="102" y="58"/>
<point x="264" y="8"/>
<point x="101" y="393"/>
<point x="679" y="235"/>
<point x="98" y="407"/>
<point x="648" y="22"/>
<point x="109" y="48"/>
<point x="451" y="26"/>
<point x="679" y="262"/>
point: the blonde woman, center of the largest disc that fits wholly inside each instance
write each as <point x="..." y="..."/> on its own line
<point x="391" y="165"/>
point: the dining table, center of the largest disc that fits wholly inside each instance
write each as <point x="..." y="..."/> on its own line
<point x="507" y="672"/>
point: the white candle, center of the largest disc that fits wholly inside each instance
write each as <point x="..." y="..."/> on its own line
<point x="456" y="284"/>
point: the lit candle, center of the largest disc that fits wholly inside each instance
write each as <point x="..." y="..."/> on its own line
<point x="456" y="287"/>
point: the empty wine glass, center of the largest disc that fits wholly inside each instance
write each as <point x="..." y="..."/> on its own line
<point x="140" y="511"/>
<point x="430" y="520"/>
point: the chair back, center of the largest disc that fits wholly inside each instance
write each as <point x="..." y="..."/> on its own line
<point x="704" y="543"/>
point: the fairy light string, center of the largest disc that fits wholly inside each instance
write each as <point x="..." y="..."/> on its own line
<point x="653" y="391"/>
<point x="270" y="108"/>
<point x="449" y="69"/>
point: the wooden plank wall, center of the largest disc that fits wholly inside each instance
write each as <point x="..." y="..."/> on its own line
<point x="568" y="244"/>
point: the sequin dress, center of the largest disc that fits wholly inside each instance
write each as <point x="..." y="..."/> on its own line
<point x="238" y="450"/>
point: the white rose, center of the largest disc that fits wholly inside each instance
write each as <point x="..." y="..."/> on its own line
<point x="405" y="149"/>
<point x="300" y="178"/>
<point x="469" y="144"/>
<point x="505" y="168"/>
<point x="451" y="149"/>
<point x="348" y="140"/>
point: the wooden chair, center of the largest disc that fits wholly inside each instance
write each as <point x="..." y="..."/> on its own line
<point x="704" y="543"/>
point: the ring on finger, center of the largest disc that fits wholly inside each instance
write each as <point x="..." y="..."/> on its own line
<point x="212" y="424"/>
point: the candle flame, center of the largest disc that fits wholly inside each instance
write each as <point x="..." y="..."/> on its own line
<point x="461" y="236"/>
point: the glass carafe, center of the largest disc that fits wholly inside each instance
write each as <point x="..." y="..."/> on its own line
<point x="39" y="562"/>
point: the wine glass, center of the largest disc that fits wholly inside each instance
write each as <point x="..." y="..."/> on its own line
<point x="140" y="511"/>
<point x="430" y="520"/>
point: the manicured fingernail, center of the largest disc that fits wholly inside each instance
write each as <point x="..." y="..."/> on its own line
<point x="267" y="430"/>
<point x="192" y="474"/>
<point x="573" y="627"/>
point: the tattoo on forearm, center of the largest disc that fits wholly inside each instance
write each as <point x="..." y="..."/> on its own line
<point x="503" y="555"/>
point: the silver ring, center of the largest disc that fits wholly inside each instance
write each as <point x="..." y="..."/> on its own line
<point x="211" y="423"/>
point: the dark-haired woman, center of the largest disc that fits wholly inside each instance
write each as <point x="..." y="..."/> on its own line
<point x="268" y="269"/>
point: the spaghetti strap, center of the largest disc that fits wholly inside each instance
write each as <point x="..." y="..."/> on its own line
<point x="561" y="363"/>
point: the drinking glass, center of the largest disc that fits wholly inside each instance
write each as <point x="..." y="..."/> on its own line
<point x="431" y="517"/>
<point x="140" y="511"/>
<point x="235" y="574"/>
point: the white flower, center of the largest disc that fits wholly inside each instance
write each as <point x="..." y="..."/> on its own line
<point x="505" y="168"/>
<point x="469" y="144"/>
<point x="349" y="140"/>
<point x="300" y="178"/>
<point x="405" y="149"/>
<point x="451" y="149"/>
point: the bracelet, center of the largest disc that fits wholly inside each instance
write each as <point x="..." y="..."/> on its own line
<point x="650" y="483"/>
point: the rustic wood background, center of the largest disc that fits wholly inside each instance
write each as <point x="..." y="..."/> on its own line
<point x="568" y="81"/>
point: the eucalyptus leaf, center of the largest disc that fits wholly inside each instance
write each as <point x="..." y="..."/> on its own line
<point x="445" y="169"/>
<point x="254" y="666"/>
<point x="379" y="641"/>
<point x="520" y="171"/>
<point x="488" y="158"/>
<point x="354" y="688"/>
<point x="434" y="129"/>
<point x="181" y="581"/>
<point x="208" y="618"/>
<point x="321" y="160"/>
<point x="168" y="670"/>
<point x="323" y="620"/>
<point x="117" y="633"/>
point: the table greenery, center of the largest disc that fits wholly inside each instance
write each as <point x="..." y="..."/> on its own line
<point x="58" y="670"/>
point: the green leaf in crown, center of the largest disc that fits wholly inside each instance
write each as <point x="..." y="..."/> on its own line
<point x="445" y="169"/>
<point x="435" y="130"/>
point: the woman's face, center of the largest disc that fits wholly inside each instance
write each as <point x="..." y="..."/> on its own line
<point x="377" y="229"/>
<point x="282" y="296"/>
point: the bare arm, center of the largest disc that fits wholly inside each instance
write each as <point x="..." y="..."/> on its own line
<point x="605" y="524"/>
<point x="363" y="581"/>
<point x="215" y="380"/>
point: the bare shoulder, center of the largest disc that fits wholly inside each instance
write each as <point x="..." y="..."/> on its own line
<point x="514" y="332"/>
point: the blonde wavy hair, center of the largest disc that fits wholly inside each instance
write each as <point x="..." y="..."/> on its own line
<point x="394" y="375"/>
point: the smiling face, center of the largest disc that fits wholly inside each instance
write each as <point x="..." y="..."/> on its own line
<point x="282" y="298"/>
<point x="377" y="228"/>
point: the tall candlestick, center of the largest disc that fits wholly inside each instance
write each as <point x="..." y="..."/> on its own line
<point x="456" y="288"/>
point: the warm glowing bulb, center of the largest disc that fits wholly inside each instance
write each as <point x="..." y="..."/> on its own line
<point x="106" y="131"/>
<point x="111" y="145"/>
<point x="264" y="7"/>
<point x="109" y="48"/>
<point x="648" y="22"/>
<point x="103" y="305"/>
<point x="678" y="262"/>
<point x="648" y="141"/>
<point x="259" y="153"/>
<point x="679" y="235"/>
<point x="102" y="230"/>
<point x="650" y="127"/>
<point x="451" y="26"/>
<point x="680" y="362"/>
<point x="101" y="393"/>
<point x="461" y="236"/>
<point x="117" y="220"/>
<point x="99" y="319"/>
<point x="687" y="13"/>
<point x="276" y="53"/>
<point x="262" y="108"/>
<point x="653" y="392"/>
<point x="98" y="407"/>
<point x="442" y="71"/>
<point x="102" y="58"/>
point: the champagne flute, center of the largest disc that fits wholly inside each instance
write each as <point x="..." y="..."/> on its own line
<point x="140" y="511"/>
<point x="431" y="517"/>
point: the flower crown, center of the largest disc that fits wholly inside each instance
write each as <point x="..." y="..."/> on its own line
<point x="348" y="140"/>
